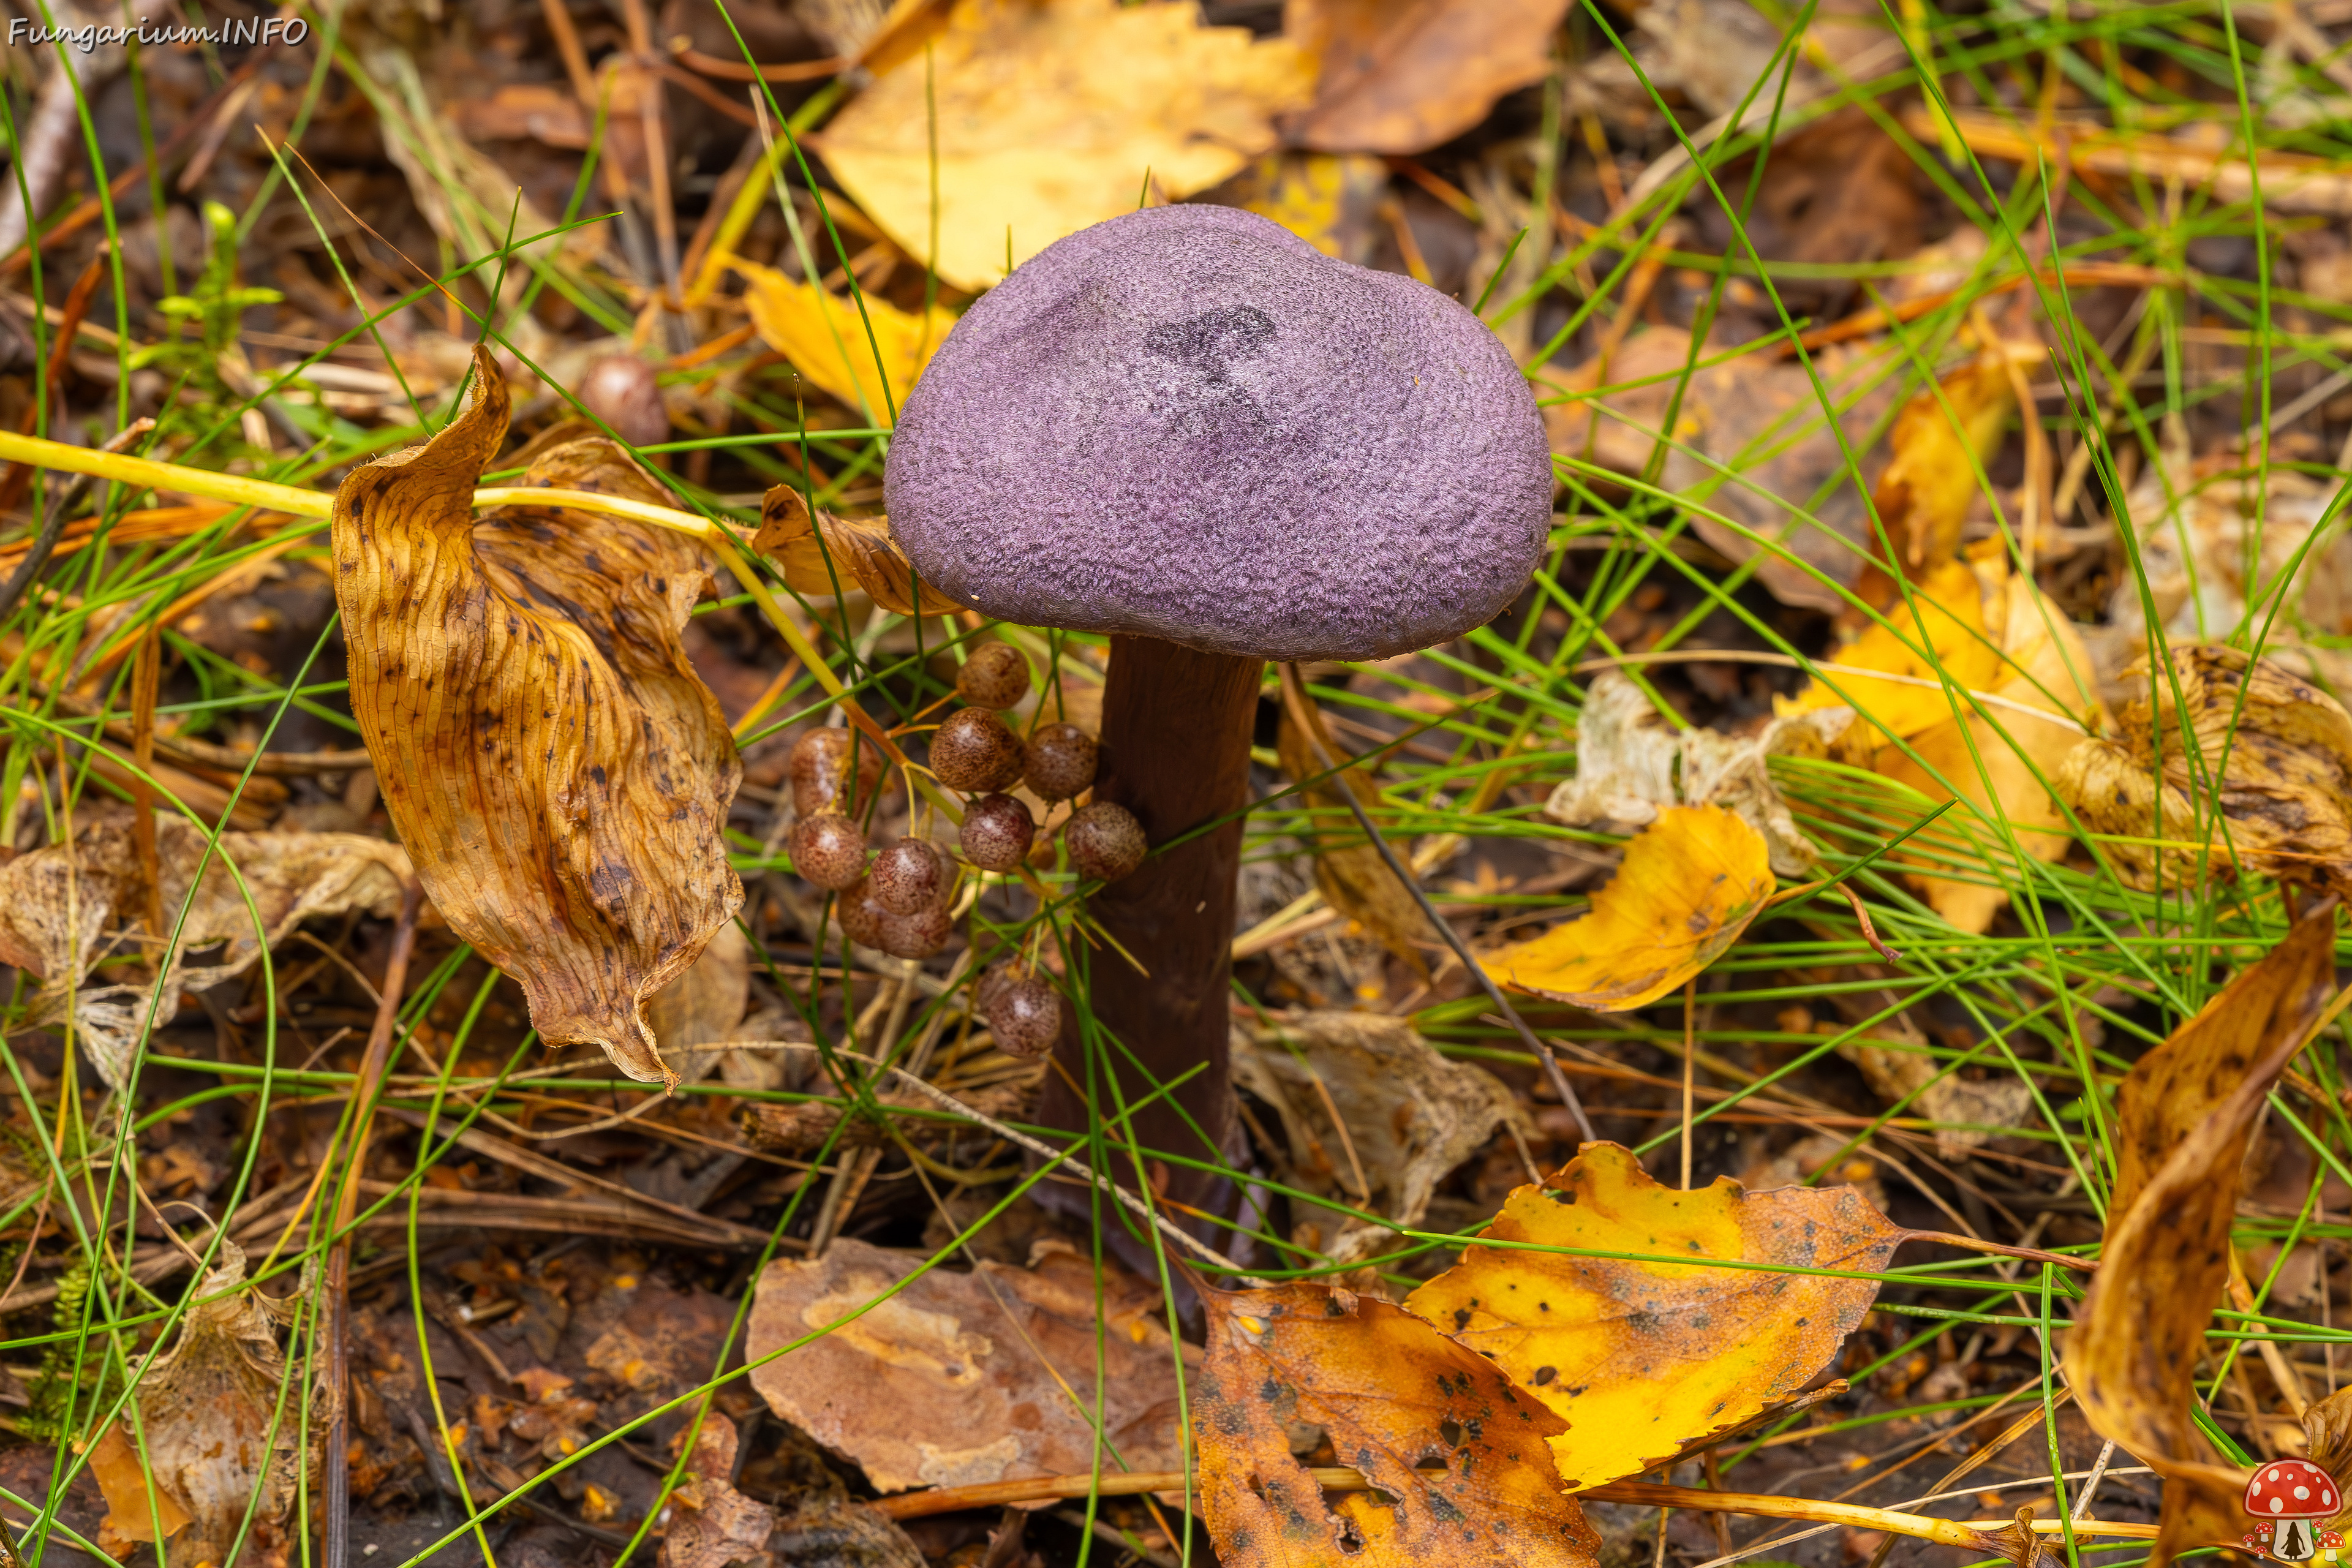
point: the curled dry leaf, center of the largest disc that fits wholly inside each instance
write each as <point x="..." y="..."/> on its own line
<point x="1407" y="1117"/>
<point x="549" y="756"/>
<point x="2327" y="1432"/>
<point x="1348" y="872"/>
<point x="1690" y="883"/>
<point x="1403" y="78"/>
<point x="836" y="554"/>
<point x="961" y="1379"/>
<point x="824" y="337"/>
<point x="695" y="1015"/>
<point x="2139" y="1334"/>
<point x="61" y="908"/>
<point x="1393" y="1396"/>
<point x="207" y="1409"/>
<point x="2281" y="747"/>
<point x="1991" y="632"/>
<point x="1641" y="1359"/>
<point x="1048" y="114"/>
<point x="1629" y="761"/>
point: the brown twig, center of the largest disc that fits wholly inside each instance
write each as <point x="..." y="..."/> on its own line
<point x="2030" y="1254"/>
<point x="19" y="476"/>
<point x="338" y="1497"/>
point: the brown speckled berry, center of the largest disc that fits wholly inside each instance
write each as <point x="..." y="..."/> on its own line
<point x="820" y="767"/>
<point x="1059" y="762"/>
<point x="1026" y="1014"/>
<point x="996" y="676"/>
<point x="908" y="877"/>
<point x="1106" y="842"/>
<point x="917" y="935"/>
<point x="828" y="849"/>
<point x="997" y="832"/>
<point x="973" y="752"/>
<point x="619" y="390"/>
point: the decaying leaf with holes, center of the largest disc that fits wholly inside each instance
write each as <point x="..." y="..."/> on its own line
<point x="209" y="1413"/>
<point x="1348" y="872"/>
<point x="2139" y="1335"/>
<point x="1689" y="885"/>
<point x="1392" y="1395"/>
<point x="1407" y="1117"/>
<point x="2282" y="749"/>
<point x="839" y="554"/>
<point x="1640" y="1356"/>
<point x="557" y="769"/>
<point x="61" y="908"/>
<point x="1629" y="761"/>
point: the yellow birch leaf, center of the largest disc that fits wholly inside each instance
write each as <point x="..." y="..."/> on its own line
<point x="1642" y="1358"/>
<point x="1690" y="883"/>
<point x="1923" y="494"/>
<point x="833" y="554"/>
<point x="824" y="338"/>
<point x="1946" y="617"/>
<point x="2003" y="762"/>
<point x="1050" y="113"/>
<point x="1330" y="200"/>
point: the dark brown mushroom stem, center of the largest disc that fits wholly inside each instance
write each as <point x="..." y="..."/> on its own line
<point x="1175" y="750"/>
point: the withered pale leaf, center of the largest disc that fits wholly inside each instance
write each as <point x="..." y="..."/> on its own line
<point x="2281" y="747"/>
<point x="1407" y="1117"/>
<point x="558" y="772"/>
<point x="1629" y="761"/>
<point x="207" y="1407"/>
<point x="1393" y="1396"/>
<point x="1641" y="1359"/>
<point x="836" y="554"/>
<point x="2139" y="1334"/>
<point x="1403" y="77"/>
<point x="1689" y="884"/>
<point x="1348" y="872"/>
<point x="61" y="908"/>
<point x="962" y="1379"/>
<point x="1049" y="114"/>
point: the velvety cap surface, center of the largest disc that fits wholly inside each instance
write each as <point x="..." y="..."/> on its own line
<point x="1187" y="422"/>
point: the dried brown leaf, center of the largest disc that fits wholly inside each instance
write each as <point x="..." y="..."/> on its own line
<point x="549" y="756"/>
<point x="1351" y="875"/>
<point x="1407" y="1117"/>
<point x="2131" y="1354"/>
<point x="715" y="1525"/>
<point x="2280" y="747"/>
<point x="1393" y="1396"/>
<point x="1401" y="77"/>
<point x="961" y="1379"/>
<point x="839" y="554"/>
<point x="206" y="1410"/>
<point x="61" y="908"/>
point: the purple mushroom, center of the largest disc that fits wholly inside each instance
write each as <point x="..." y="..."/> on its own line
<point x="1190" y="430"/>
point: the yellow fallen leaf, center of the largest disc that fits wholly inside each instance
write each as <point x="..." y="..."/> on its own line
<point x="1690" y="884"/>
<point x="1924" y="492"/>
<point x="1643" y="1358"/>
<point x="1327" y="199"/>
<point x="2003" y="762"/>
<point x="1049" y="114"/>
<point x="1945" y="617"/>
<point x="826" y="339"/>
<point x="1454" y="1453"/>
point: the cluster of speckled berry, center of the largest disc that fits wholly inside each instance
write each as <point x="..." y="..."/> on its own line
<point x="900" y="902"/>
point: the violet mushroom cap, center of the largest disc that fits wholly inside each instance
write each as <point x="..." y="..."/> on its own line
<point x="1188" y="424"/>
